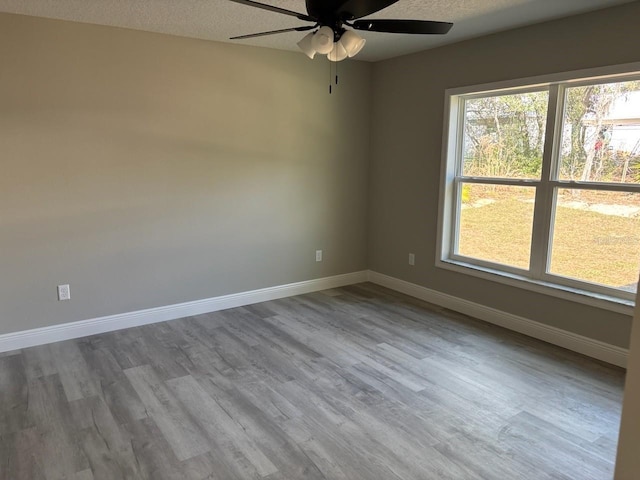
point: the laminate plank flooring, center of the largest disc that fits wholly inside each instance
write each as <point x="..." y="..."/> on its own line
<point x="356" y="383"/>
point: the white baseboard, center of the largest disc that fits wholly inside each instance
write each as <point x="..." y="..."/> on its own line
<point x="571" y="341"/>
<point x="83" y="328"/>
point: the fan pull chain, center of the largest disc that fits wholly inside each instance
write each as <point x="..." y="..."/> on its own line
<point x="331" y="75"/>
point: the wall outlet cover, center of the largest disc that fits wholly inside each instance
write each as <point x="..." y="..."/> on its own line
<point x="64" y="292"/>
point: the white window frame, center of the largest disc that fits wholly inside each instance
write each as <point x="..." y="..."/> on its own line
<point x="536" y="278"/>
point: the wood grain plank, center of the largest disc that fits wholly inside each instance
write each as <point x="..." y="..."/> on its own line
<point x="14" y="395"/>
<point x="106" y="447"/>
<point x="178" y="429"/>
<point x="76" y="378"/>
<point x="59" y="452"/>
<point x="217" y="423"/>
<point x="20" y="455"/>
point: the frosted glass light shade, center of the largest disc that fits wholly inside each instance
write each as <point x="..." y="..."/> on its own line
<point x="338" y="53"/>
<point x="322" y="41"/>
<point x="306" y="45"/>
<point x="352" y="42"/>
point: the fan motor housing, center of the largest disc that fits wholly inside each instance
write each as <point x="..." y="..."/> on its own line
<point x="324" y="11"/>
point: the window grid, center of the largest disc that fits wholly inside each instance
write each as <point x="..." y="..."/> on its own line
<point x="546" y="188"/>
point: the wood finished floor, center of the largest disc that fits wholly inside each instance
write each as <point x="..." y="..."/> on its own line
<point x="352" y="383"/>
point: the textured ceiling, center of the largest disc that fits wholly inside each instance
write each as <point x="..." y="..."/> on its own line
<point x="220" y="19"/>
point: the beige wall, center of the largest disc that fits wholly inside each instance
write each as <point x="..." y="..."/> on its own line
<point x="147" y="170"/>
<point x="407" y="140"/>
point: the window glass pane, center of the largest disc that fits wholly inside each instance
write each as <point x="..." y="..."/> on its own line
<point x="601" y="133"/>
<point x="504" y="135"/>
<point x="496" y="223"/>
<point x="596" y="237"/>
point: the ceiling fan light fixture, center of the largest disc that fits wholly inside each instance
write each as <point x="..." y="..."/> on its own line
<point x="352" y="42"/>
<point x="306" y="45"/>
<point x="322" y="40"/>
<point x="330" y="17"/>
<point x="338" y="53"/>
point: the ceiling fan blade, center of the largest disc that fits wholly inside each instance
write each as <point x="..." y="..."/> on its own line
<point x="420" y="27"/>
<point x="273" y="32"/>
<point x="271" y="8"/>
<point x="352" y="9"/>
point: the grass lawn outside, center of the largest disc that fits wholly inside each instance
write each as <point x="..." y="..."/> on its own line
<point x="602" y="248"/>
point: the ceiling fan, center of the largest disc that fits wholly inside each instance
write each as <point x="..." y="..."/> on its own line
<point x="329" y="18"/>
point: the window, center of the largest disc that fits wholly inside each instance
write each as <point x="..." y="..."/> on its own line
<point x="542" y="184"/>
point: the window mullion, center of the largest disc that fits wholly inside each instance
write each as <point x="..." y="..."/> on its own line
<point x="545" y="197"/>
<point x="498" y="134"/>
<point x="455" y="225"/>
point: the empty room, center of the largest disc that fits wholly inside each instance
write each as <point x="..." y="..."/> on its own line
<point x="337" y="239"/>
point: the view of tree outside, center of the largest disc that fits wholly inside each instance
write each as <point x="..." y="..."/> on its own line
<point x="596" y="233"/>
<point x="601" y="133"/>
<point x="504" y="135"/>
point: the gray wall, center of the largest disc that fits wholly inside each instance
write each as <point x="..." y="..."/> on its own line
<point x="407" y="128"/>
<point x="148" y="170"/>
<point x="628" y="459"/>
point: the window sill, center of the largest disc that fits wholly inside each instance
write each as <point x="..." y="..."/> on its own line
<point x="584" y="297"/>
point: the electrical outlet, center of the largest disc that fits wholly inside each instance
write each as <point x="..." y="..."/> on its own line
<point x="318" y="255"/>
<point x="64" y="292"/>
<point x="412" y="259"/>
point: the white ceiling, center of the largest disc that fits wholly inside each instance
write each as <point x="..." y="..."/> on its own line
<point x="220" y="19"/>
